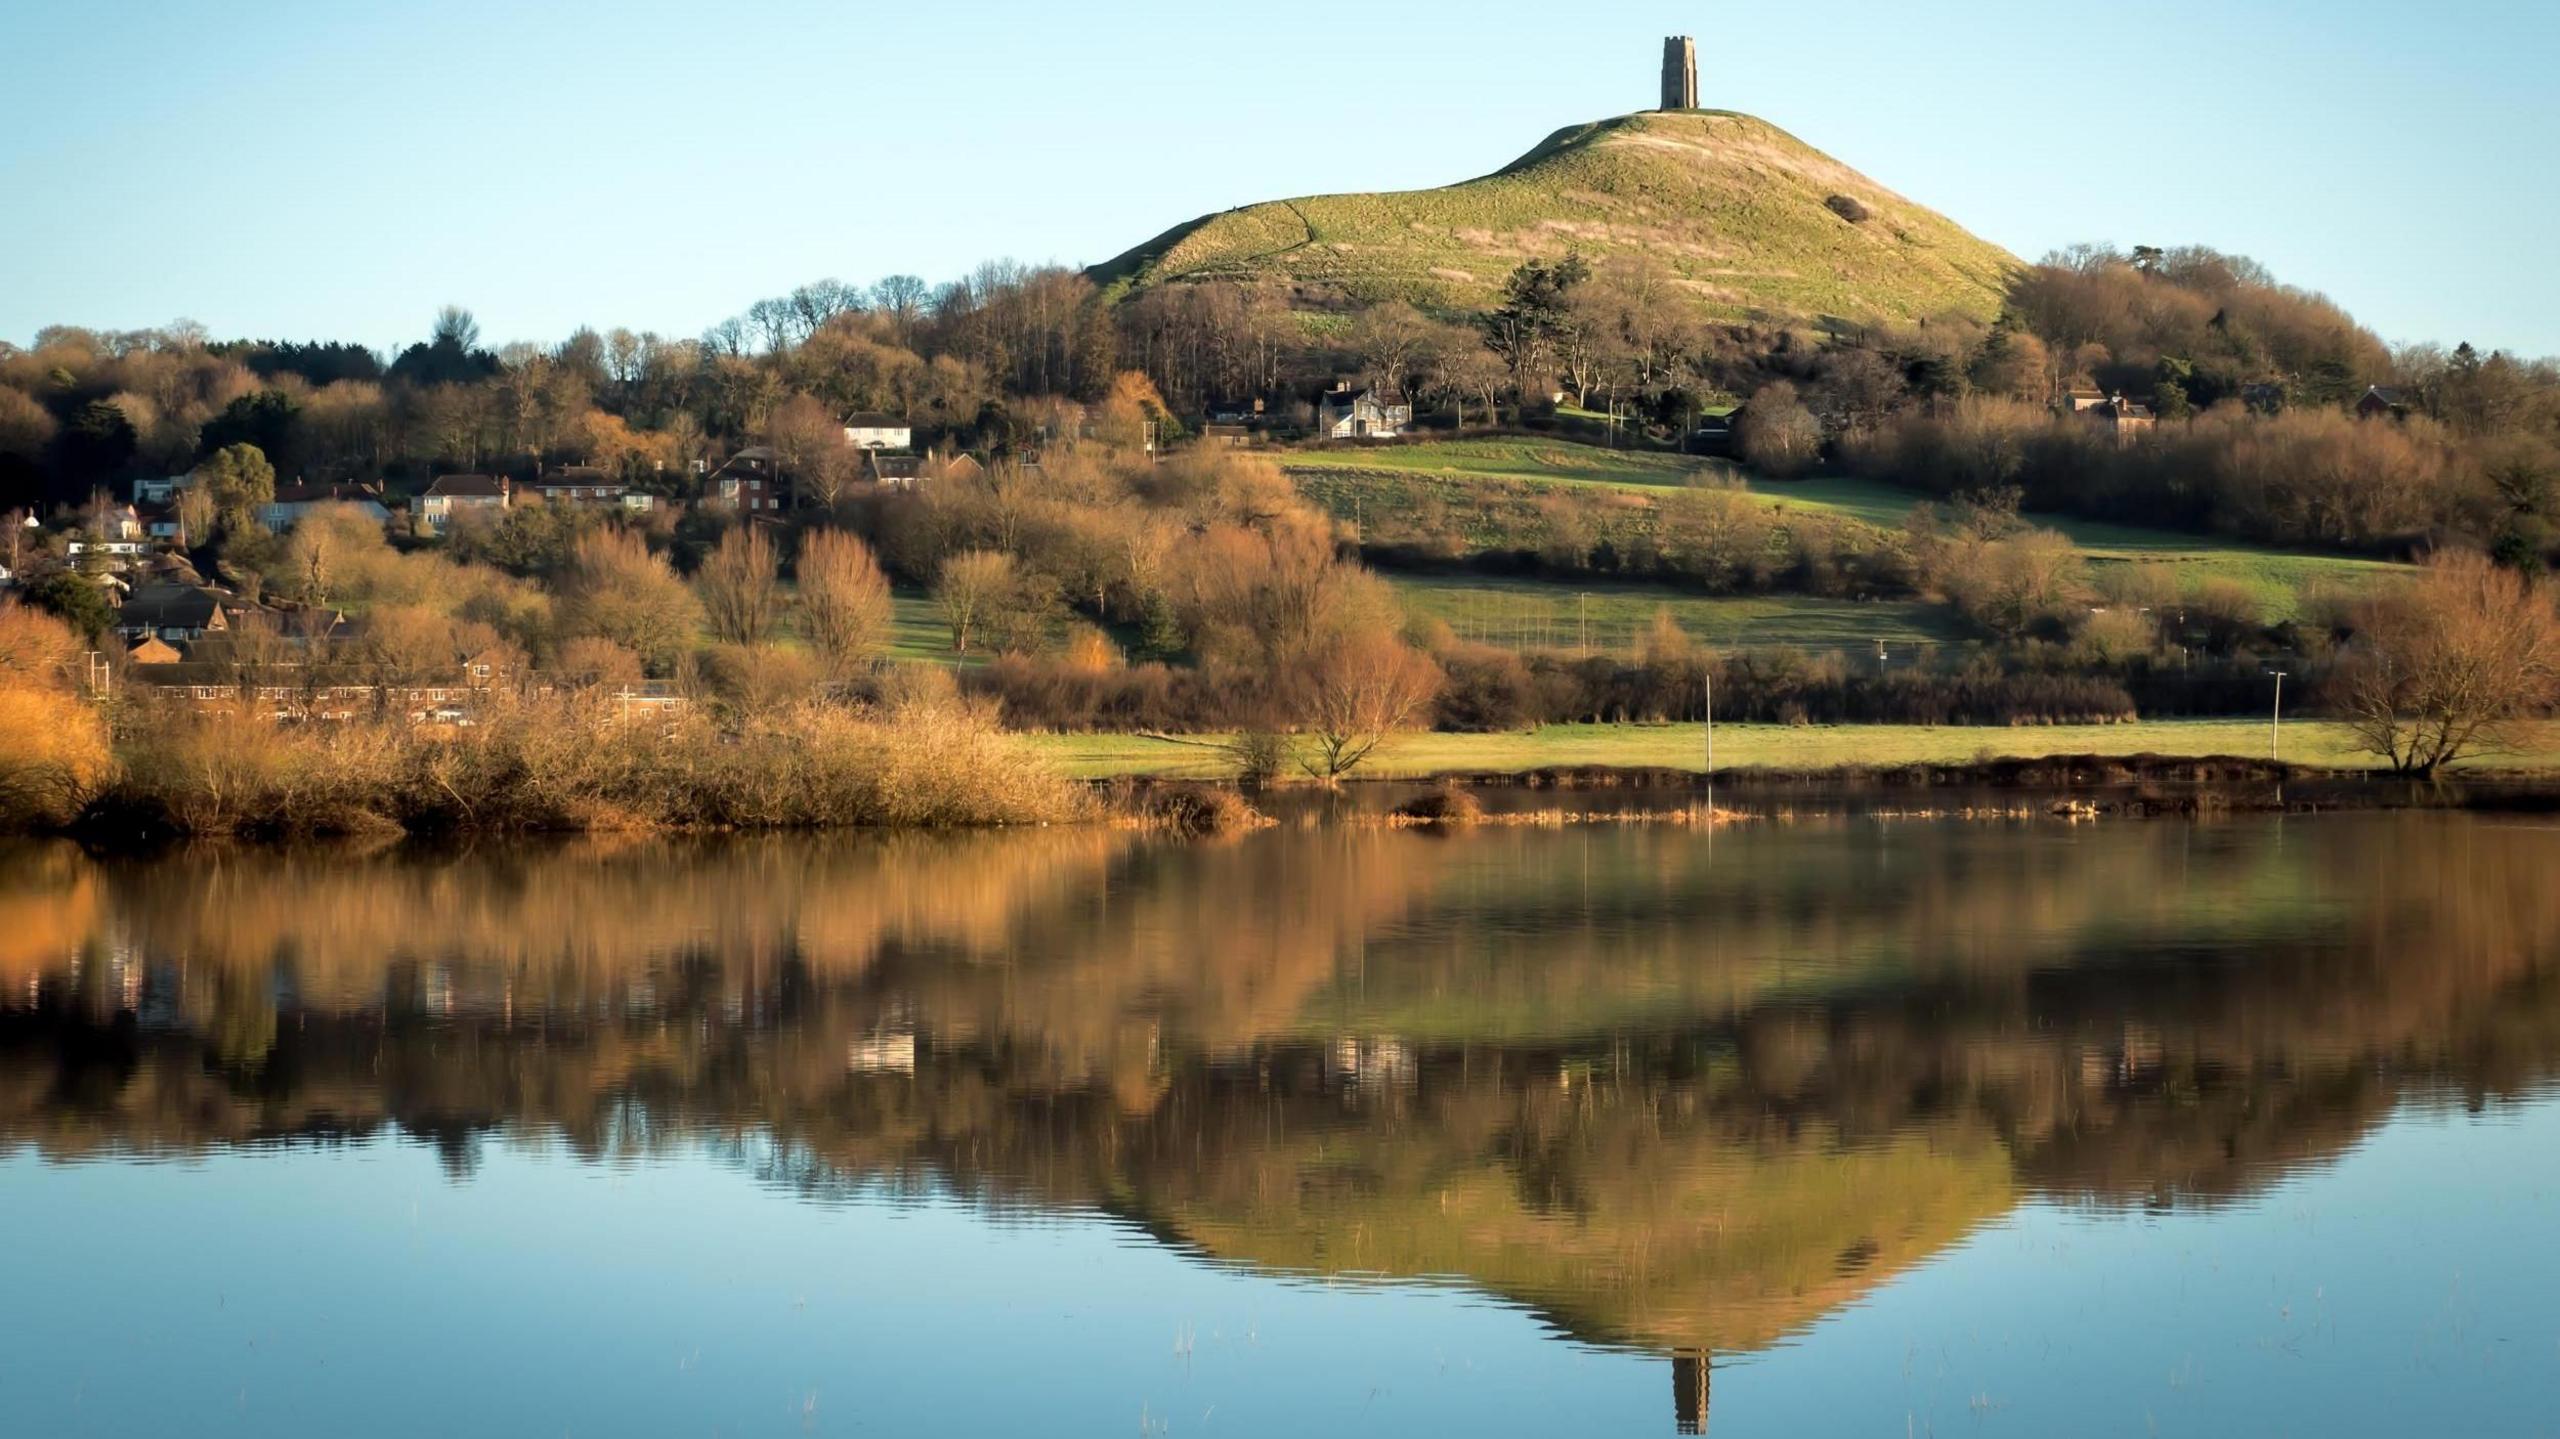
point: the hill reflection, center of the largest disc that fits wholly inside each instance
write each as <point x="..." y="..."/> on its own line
<point x="1676" y="1091"/>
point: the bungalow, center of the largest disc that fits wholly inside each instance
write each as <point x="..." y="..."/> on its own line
<point x="2124" y="419"/>
<point x="1714" y="433"/>
<point x="1374" y="413"/>
<point x="2080" y="399"/>
<point x="292" y="502"/>
<point x="878" y="432"/>
<point x="1219" y="436"/>
<point x="2379" y="401"/>
<point x="115" y="554"/>
<point x="901" y="471"/>
<point x="589" y="485"/>
<point x="180" y="613"/>
<point x="453" y="495"/>
<point x="904" y="471"/>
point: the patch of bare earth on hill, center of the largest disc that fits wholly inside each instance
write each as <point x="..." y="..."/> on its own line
<point x="1712" y="291"/>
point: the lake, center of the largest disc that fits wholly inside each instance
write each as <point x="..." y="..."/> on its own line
<point x="1844" y="1125"/>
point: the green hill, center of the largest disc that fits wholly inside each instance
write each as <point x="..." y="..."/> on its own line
<point x="1740" y="213"/>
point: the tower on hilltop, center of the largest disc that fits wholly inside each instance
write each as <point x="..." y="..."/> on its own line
<point x="1679" y="73"/>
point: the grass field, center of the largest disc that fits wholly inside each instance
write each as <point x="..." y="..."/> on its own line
<point x="1535" y="614"/>
<point x="917" y="631"/>
<point x="1683" y="746"/>
<point x="1531" y="461"/>
<point x="2279" y="578"/>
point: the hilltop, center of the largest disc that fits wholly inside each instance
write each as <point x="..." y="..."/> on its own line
<point x="1749" y="218"/>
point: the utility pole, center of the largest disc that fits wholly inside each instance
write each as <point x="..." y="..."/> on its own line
<point x="2275" y="719"/>
<point x="1710" y="676"/>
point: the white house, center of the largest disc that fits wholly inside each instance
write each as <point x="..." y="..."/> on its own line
<point x="451" y="495"/>
<point x="878" y="432"/>
<point x="1373" y="413"/>
<point x="292" y="502"/>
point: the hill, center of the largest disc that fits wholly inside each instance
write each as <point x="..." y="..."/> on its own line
<point x="1744" y="215"/>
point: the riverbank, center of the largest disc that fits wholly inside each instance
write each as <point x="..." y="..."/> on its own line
<point x="1782" y="749"/>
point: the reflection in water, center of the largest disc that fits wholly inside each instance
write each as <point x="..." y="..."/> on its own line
<point x="1672" y="1097"/>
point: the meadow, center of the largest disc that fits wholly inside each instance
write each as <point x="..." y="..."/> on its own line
<point x="1523" y="614"/>
<point x="1489" y="492"/>
<point x="1777" y="747"/>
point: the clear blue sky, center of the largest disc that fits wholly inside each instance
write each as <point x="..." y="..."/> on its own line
<point x="300" y="169"/>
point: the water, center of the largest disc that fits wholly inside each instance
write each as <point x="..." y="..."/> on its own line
<point x="1845" y="1126"/>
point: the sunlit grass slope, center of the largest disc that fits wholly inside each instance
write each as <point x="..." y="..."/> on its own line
<point x="1734" y="211"/>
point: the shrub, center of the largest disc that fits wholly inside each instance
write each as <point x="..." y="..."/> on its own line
<point x="1847" y="208"/>
<point x="55" y="759"/>
<point x="1447" y="805"/>
<point x="579" y="763"/>
<point x="1203" y="813"/>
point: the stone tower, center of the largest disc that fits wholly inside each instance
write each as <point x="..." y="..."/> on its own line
<point x="1679" y="73"/>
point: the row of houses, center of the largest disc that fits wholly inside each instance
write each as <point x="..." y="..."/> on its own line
<point x="210" y="645"/>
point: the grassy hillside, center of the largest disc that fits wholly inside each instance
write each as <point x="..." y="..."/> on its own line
<point x="1610" y="618"/>
<point x="1487" y="492"/>
<point x="2278" y="578"/>
<point x="1732" y="208"/>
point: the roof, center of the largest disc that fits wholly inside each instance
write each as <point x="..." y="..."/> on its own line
<point x="2387" y="394"/>
<point x="161" y="605"/>
<point x="1375" y="394"/>
<point x="325" y="494"/>
<point x="870" y="420"/>
<point x="896" y="467"/>
<point x="474" y="487"/>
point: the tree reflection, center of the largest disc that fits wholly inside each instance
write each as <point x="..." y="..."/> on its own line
<point x="1671" y="1097"/>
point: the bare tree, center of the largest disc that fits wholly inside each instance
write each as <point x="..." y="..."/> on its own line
<point x="2445" y="666"/>
<point x="1391" y="341"/>
<point x="194" y="510"/>
<point x="844" y="600"/>
<point x="1777" y="435"/>
<point x="740" y="585"/>
<point x="617" y="589"/>
<point x="1365" y="688"/>
<point x="972" y="585"/>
